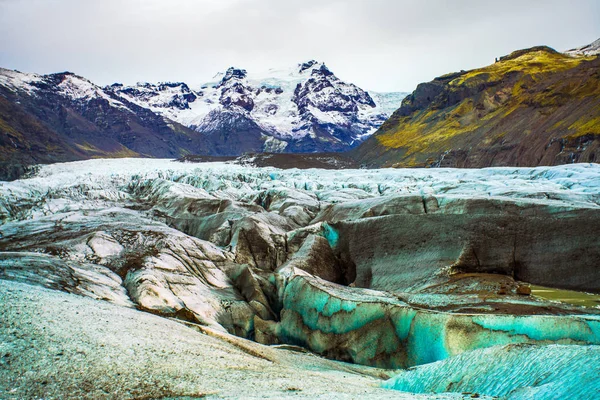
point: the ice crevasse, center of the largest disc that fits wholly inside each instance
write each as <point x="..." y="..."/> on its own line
<point x="378" y="329"/>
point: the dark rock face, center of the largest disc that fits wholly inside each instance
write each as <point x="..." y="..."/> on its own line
<point x="467" y="236"/>
<point x="25" y="141"/>
<point x="181" y="98"/>
<point x="234" y="73"/>
<point x="317" y="258"/>
<point x="230" y="133"/>
<point x="533" y="107"/>
<point x="307" y="65"/>
<point x="236" y="95"/>
<point x="233" y="90"/>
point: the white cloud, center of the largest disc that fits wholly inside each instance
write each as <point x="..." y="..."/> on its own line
<point x="378" y="44"/>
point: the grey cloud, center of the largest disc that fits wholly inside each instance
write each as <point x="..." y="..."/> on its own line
<point x="379" y="44"/>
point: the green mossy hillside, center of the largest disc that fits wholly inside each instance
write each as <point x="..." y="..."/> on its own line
<point x="532" y="107"/>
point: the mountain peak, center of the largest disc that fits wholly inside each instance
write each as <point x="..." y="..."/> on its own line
<point x="322" y="71"/>
<point x="232" y="73"/>
<point x="307" y="65"/>
<point x="587" y="50"/>
<point x="519" y="53"/>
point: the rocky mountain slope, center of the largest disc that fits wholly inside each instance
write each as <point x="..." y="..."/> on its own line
<point x="302" y="109"/>
<point x="532" y="107"/>
<point x="63" y="116"/>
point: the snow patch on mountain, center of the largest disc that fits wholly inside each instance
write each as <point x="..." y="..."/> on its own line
<point x="16" y="80"/>
<point x="66" y="84"/>
<point x="587" y="50"/>
<point x="78" y="88"/>
<point x="284" y="103"/>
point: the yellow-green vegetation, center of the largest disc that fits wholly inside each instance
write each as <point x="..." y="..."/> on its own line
<point x="445" y="125"/>
<point x="530" y="63"/>
<point x="535" y="82"/>
<point x="567" y="296"/>
<point x="585" y="126"/>
<point x="432" y="129"/>
<point x="97" y="153"/>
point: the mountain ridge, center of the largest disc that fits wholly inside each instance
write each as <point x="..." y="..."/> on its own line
<point x="64" y="116"/>
<point x="301" y="109"/>
<point x="532" y="107"/>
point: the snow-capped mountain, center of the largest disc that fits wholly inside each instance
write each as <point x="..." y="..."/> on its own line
<point x="587" y="50"/>
<point x="65" y="84"/>
<point x="63" y="117"/>
<point x="306" y="108"/>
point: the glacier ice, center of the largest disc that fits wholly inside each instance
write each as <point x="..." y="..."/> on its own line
<point x="388" y="268"/>
<point x="369" y="327"/>
<point x="516" y="371"/>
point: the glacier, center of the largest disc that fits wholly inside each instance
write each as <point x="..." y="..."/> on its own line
<point x="421" y="270"/>
<point x="516" y="371"/>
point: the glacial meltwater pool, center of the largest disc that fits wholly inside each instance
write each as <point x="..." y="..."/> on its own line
<point x="567" y="296"/>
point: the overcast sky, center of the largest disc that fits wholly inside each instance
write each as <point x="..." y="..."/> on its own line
<point x="383" y="45"/>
